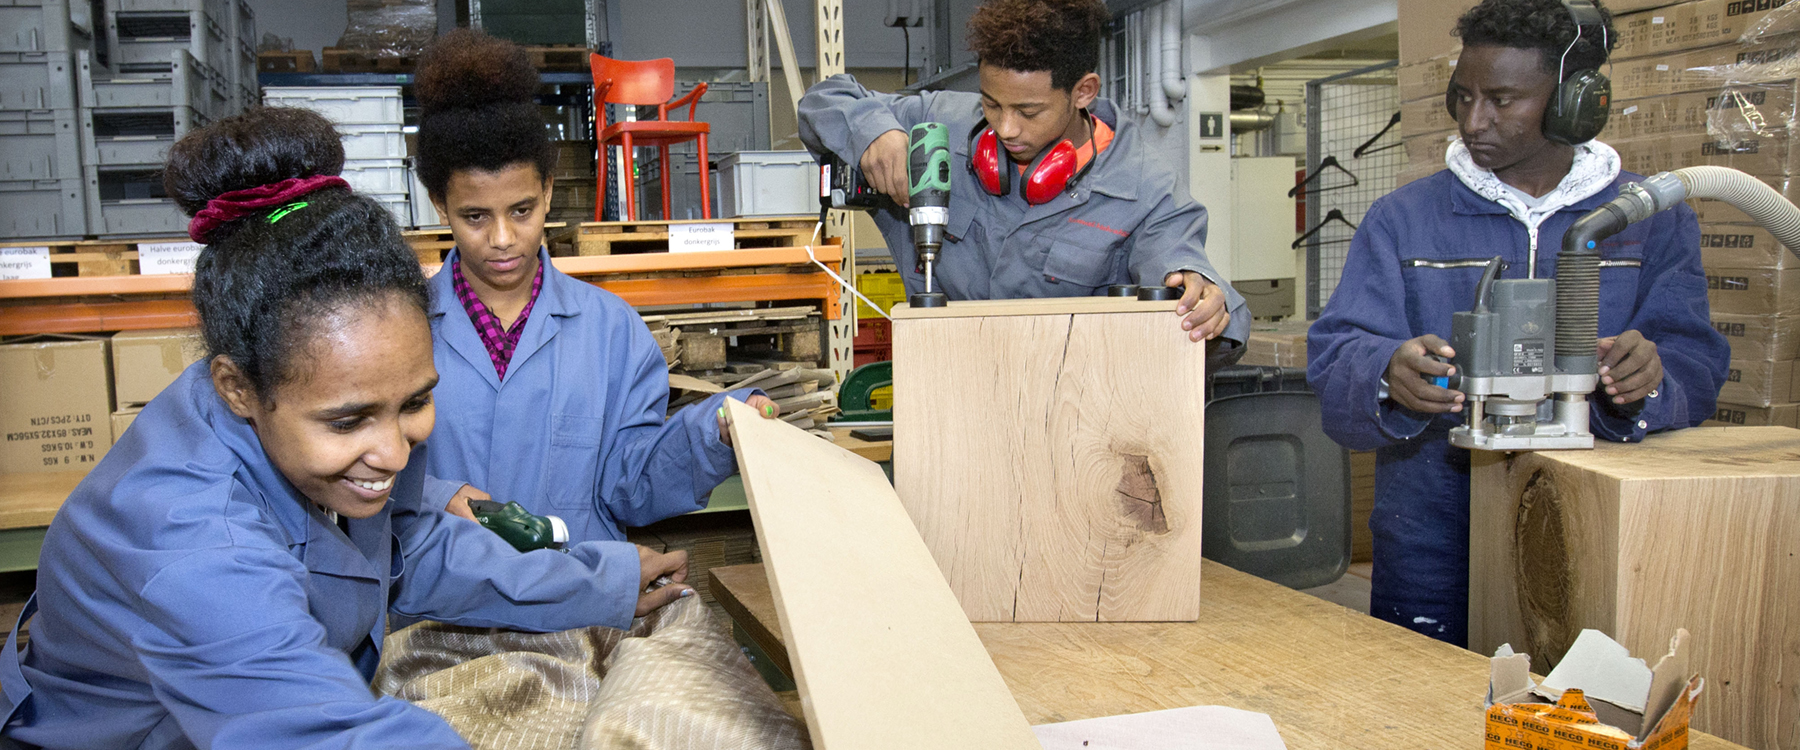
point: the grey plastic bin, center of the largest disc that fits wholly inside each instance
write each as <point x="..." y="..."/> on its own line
<point x="768" y="183"/>
<point x="1276" y="489"/>
<point x="31" y="209"/>
<point x="45" y="26"/>
<point x="39" y="145"/>
<point x="143" y="41"/>
<point x="37" y="80"/>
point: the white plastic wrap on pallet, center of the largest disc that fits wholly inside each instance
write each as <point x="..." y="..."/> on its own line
<point x="343" y="105"/>
<point x="383" y="141"/>
<point x="376" y="175"/>
<point x="37" y="80"/>
<point x="424" y="214"/>
<point x="768" y="183"/>
<point x="43" y="208"/>
<point x="45" y="26"/>
<point x="40" y="145"/>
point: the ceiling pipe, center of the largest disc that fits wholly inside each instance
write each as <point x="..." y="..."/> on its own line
<point x="1174" y="84"/>
<point x="1160" y="110"/>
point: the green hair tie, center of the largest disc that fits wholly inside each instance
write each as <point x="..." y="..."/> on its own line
<point x="282" y="212"/>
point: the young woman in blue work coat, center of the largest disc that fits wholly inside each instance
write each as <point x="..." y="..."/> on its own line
<point x="223" y="577"/>
<point x="554" y="392"/>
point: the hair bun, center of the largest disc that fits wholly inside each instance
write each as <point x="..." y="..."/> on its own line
<point x="467" y="69"/>
<point x="259" y="147"/>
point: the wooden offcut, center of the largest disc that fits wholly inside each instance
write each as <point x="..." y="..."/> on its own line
<point x="880" y="650"/>
<point x="1050" y="453"/>
<point x="1695" y="529"/>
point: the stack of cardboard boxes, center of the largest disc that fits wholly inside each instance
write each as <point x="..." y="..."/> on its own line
<point x="1687" y="90"/>
<point x="70" y="397"/>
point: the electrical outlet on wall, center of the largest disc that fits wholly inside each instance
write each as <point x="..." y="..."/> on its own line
<point x="904" y="13"/>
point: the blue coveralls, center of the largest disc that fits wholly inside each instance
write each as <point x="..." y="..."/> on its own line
<point x="189" y="596"/>
<point x="577" y="429"/>
<point x="1126" y="222"/>
<point x="1393" y="289"/>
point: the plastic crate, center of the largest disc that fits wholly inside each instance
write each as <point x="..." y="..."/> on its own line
<point x="137" y="136"/>
<point x="37" y="80"/>
<point x="43" y="208"/>
<point x="39" y="145"/>
<point x="343" y="105"/>
<point x="46" y="26"/>
<point x="220" y="9"/>
<point x="186" y="84"/>
<point x="768" y="183"/>
<point x="684" y="189"/>
<point x="397" y="204"/>
<point x="144" y="41"/>
<point x="383" y="141"/>
<point x="884" y="288"/>
<point x="424" y="214"/>
<point x="244" y="18"/>
<point x="735" y="113"/>
<point x="377" y="175"/>
<point x="139" y="218"/>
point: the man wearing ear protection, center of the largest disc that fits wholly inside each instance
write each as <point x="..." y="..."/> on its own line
<point x="1528" y="97"/>
<point x="1055" y="194"/>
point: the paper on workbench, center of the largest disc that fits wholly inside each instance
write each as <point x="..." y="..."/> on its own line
<point x="1193" y="728"/>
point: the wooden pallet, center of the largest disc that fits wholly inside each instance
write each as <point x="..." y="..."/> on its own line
<point x="82" y="258"/>
<point x="559" y="58"/>
<point x="337" y="60"/>
<point x="623" y="237"/>
<point x="297" y="61"/>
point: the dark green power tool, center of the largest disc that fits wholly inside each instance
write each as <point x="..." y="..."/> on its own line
<point x="519" y="527"/>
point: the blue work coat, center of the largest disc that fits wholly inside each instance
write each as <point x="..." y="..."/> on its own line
<point x="1417" y="258"/>
<point x="577" y="429"/>
<point x="1127" y="221"/>
<point x="189" y="596"/>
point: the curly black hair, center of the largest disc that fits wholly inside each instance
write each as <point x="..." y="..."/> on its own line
<point x="264" y="282"/>
<point x="1543" y="25"/>
<point x="476" y="110"/>
<point x="1061" y="36"/>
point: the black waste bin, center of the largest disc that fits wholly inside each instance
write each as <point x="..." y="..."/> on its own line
<point x="1276" y="496"/>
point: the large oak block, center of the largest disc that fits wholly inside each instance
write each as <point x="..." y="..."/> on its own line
<point x="1698" y="528"/>
<point x="1049" y="452"/>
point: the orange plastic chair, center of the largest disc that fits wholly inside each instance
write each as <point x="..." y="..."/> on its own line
<point x="646" y="82"/>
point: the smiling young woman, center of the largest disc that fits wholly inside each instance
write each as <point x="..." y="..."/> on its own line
<point x="224" y="576"/>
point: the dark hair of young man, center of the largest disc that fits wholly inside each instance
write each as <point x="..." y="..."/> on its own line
<point x="1543" y="25"/>
<point x="1061" y="36"/>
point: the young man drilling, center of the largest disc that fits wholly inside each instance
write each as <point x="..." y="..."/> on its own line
<point x="1517" y="179"/>
<point x="1055" y="195"/>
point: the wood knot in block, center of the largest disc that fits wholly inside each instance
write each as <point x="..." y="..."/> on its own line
<point x="1140" y="502"/>
<point x="1545" y="584"/>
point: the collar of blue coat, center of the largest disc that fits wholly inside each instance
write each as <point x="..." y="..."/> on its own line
<point x="327" y="549"/>
<point x="555" y="300"/>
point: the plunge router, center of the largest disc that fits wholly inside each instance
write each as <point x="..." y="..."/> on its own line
<point x="842" y="186"/>
<point x="1513" y="352"/>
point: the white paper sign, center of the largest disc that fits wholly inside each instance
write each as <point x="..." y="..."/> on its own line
<point x="155" y="258"/>
<point x="693" y="238"/>
<point x="24" y="263"/>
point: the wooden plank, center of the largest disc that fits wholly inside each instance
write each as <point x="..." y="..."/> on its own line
<point x="1052" y="306"/>
<point x="1329" y="677"/>
<point x="1698" y="528"/>
<point x="30" y="500"/>
<point x="881" y="652"/>
<point x="1053" y="464"/>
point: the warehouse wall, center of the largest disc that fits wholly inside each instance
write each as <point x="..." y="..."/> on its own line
<point x="710" y="33"/>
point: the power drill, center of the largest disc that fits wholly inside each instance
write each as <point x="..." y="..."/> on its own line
<point x="841" y="186"/>
<point x="524" y="531"/>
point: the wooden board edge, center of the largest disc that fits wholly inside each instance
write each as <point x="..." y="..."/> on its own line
<point x="1041" y="306"/>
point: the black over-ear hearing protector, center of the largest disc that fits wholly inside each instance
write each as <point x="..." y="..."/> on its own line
<point x="1579" y="107"/>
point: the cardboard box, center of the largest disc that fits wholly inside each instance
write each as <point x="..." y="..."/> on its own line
<point x="122" y="419"/>
<point x="1426" y="116"/>
<point x="1753" y="291"/>
<point x="1413" y="173"/>
<point x="1602" y="699"/>
<point x="1427" y="149"/>
<point x="146" y="362"/>
<point x="1740" y="110"/>
<point x="1754" y="383"/>
<point x="1426" y="26"/>
<point x="58" y="406"/>
<point x="1750" y="415"/>
<point x="1687" y="26"/>
<point x="1742" y="246"/>
<point x="1280" y="344"/>
<point x="1427" y="78"/>
<point x="1759" y="337"/>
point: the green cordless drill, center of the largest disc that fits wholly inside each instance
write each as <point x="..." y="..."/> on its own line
<point x="519" y="527"/>
<point x="842" y="186"/>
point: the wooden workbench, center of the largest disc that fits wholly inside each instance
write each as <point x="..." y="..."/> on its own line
<point x="1330" y="677"/>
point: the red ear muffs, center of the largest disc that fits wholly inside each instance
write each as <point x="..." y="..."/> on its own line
<point x="1051" y="174"/>
<point x="984" y="163"/>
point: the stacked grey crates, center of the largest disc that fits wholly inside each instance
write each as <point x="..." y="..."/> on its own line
<point x="41" y="187"/>
<point x="175" y="65"/>
<point x="368" y="118"/>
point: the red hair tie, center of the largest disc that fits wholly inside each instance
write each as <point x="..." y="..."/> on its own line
<point x="230" y="207"/>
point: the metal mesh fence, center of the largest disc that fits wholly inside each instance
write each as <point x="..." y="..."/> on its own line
<point x="1353" y="155"/>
